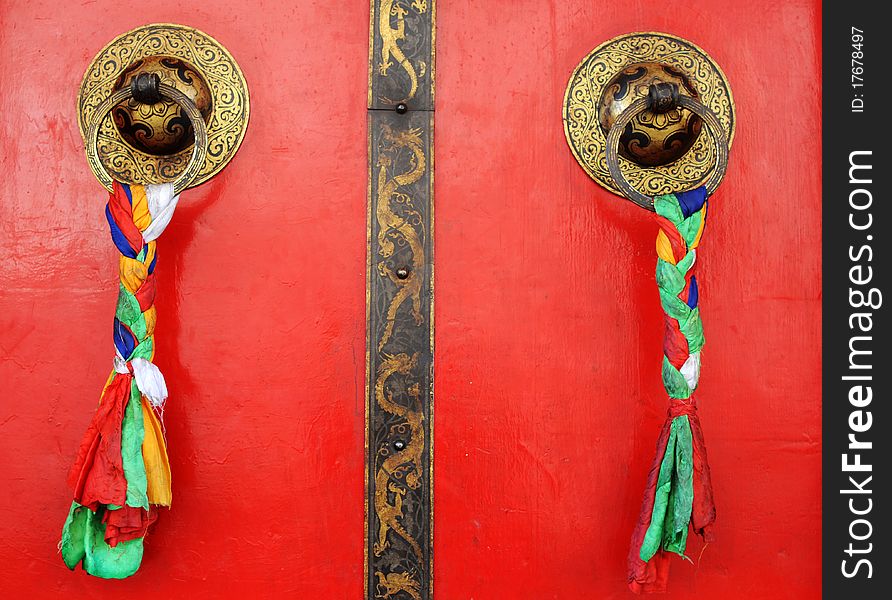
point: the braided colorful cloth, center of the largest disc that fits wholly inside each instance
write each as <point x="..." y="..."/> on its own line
<point x="679" y="490"/>
<point x="121" y="473"/>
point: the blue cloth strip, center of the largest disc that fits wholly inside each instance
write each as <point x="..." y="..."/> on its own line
<point x="117" y="236"/>
<point x="691" y="201"/>
<point x="125" y="341"/>
<point x="693" y="295"/>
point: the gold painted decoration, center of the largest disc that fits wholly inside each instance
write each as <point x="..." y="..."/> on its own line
<point x="152" y="143"/>
<point x="652" y="138"/>
<point x="659" y="153"/>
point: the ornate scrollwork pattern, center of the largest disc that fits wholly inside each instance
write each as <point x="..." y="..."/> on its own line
<point x="229" y="103"/>
<point x="581" y="110"/>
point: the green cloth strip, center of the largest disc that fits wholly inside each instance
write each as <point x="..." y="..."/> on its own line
<point x="129" y="312"/>
<point x="674" y="382"/>
<point x="83" y="539"/>
<point x="674" y="497"/>
<point x="132" y="435"/>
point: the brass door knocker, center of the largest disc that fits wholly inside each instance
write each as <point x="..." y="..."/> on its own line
<point x="142" y="97"/>
<point x="662" y="150"/>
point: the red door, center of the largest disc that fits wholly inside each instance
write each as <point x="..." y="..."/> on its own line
<point x="548" y="326"/>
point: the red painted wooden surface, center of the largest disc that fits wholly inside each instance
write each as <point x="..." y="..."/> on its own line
<point x="548" y="324"/>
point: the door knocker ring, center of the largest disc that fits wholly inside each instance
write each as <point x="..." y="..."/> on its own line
<point x="147" y="88"/>
<point x="661" y="98"/>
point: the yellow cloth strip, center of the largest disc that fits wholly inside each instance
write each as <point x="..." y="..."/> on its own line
<point x="154" y="455"/>
<point x="142" y="218"/>
<point x="664" y="248"/>
<point x="107" y="383"/>
<point x="150" y="316"/>
<point x="700" y="229"/>
<point x="133" y="273"/>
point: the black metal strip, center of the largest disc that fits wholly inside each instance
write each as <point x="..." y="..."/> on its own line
<point x="399" y="364"/>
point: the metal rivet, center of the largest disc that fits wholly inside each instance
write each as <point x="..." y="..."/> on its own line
<point x="399" y="444"/>
<point x="401" y="108"/>
<point x="402" y="273"/>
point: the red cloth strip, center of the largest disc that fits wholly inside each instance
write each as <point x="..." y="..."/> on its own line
<point x="127" y="523"/>
<point x="145" y="295"/>
<point x="97" y="475"/>
<point x="122" y="212"/>
<point x="675" y="344"/>
<point x="651" y="576"/>
<point x="683" y="294"/>
<point x="703" y="514"/>
<point x="679" y="246"/>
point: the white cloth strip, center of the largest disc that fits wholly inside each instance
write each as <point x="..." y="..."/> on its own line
<point x="162" y="203"/>
<point x="149" y="379"/>
<point x="690" y="370"/>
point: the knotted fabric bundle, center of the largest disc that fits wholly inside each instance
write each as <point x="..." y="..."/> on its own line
<point x="121" y="473"/>
<point x="679" y="490"/>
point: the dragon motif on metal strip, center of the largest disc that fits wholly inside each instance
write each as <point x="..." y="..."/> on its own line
<point x="392" y="36"/>
<point x="396" y="229"/>
<point x="394" y="583"/>
<point x="401" y="469"/>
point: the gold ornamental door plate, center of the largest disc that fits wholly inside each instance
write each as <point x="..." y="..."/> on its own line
<point x="659" y="152"/>
<point x="153" y="143"/>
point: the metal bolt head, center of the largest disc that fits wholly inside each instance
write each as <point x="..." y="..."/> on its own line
<point x="402" y="273"/>
<point x="399" y="444"/>
<point x="662" y="97"/>
<point x="144" y="88"/>
<point x="401" y="108"/>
